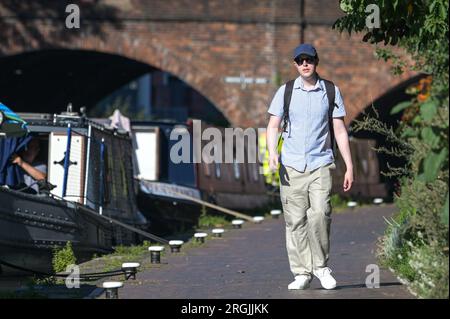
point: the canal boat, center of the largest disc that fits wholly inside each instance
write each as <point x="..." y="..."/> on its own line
<point x="89" y="175"/>
<point x="170" y="188"/>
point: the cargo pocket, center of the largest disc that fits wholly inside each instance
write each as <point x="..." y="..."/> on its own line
<point x="284" y="176"/>
<point x="283" y="195"/>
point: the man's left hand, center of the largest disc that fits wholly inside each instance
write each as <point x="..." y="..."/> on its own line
<point x="348" y="180"/>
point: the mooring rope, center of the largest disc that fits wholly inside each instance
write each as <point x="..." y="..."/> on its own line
<point x="88" y="276"/>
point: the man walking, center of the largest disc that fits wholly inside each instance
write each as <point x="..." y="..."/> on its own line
<point x="312" y="111"/>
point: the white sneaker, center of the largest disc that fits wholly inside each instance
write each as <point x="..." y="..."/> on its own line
<point x="326" y="280"/>
<point x="300" y="282"/>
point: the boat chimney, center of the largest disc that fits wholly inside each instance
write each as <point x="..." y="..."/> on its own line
<point x="69" y="111"/>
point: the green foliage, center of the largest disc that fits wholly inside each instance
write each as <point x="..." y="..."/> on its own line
<point x="421" y="28"/>
<point x="133" y="251"/>
<point x="123" y="254"/>
<point x="415" y="244"/>
<point x="431" y="165"/>
<point x="430" y="266"/>
<point x="63" y="257"/>
<point x="417" y="24"/>
<point x="337" y="201"/>
<point x="400" y="107"/>
<point x="420" y="204"/>
<point x="208" y="221"/>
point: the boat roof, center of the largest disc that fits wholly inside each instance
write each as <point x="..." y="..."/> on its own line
<point x="46" y="122"/>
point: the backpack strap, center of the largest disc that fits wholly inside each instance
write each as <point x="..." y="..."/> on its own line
<point x="287" y="101"/>
<point x="331" y="94"/>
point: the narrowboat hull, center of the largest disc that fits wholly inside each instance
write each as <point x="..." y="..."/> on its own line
<point x="241" y="201"/>
<point x="168" y="212"/>
<point x="32" y="226"/>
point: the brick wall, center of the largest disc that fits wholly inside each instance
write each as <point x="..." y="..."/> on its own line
<point x="204" y="41"/>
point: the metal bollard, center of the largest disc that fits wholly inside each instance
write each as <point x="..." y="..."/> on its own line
<point x="352" y="204"/>
<point x="237" y="223"/>
<point x="218" y="232"/>
<point x="258" y="219"/>
<point x="275" y="213"/>
<point x="175" y="245"/>
<point x="155" y="254"/>
<point x="377" y="201"/>
<point x="130" y="270"/>
<point x="200" y="237"/>
<point x="112" y="289"/>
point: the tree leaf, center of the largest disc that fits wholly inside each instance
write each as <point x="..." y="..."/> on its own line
<point x="429" y="136"/>
<point x="430" y="165"/>
<point x="399" y="107"/>
<point x="428" y="110"/>
<point x="394" y="4"/>
<point x="409" y="132"/>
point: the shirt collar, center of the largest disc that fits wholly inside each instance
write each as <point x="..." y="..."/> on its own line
<point x="298" y="84"/>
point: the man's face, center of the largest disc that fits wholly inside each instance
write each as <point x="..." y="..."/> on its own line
<point x="306" y="65"/>
<point x="32" y="150"/>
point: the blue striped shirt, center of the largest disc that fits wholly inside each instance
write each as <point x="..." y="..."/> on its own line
<point x="308" y="146"/>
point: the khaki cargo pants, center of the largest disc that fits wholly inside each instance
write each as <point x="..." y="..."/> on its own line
<point x="307" y="212"/>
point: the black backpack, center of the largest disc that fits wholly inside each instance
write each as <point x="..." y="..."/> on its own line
<point x="329" y="87"/>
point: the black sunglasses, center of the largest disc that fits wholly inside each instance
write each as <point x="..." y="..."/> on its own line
<point x="308" y="59"/>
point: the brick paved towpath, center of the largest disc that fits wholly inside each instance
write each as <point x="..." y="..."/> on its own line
<point x="252" y="263"/>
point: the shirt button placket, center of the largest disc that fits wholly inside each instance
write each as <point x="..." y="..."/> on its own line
<point x="307" y="127"/>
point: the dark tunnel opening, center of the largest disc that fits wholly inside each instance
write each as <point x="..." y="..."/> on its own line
<point x="47" y="81"/>
<point x="383" y="106"/>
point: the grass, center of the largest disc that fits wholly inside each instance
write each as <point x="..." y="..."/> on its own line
<point x="211" y="221"/>
<point x="134" y="253"/>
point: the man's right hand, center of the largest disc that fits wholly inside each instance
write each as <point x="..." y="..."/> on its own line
<point x="273" y="161"/>
<point x="271" y="136"/>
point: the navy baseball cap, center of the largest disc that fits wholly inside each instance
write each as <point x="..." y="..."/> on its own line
<point x="305" y="48"/>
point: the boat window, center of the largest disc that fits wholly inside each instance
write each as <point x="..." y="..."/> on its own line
<point x="146" y="153"/>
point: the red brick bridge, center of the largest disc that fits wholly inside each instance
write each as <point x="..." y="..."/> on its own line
<point x="206" y="43"/>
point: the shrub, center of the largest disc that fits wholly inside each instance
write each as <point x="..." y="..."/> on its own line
<point x="430" y="266"/>
<point x="63" y="257"/>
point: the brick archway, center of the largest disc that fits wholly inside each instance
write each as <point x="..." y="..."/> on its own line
<point x="203" y="44"/>
<point x="164" y="59"/>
